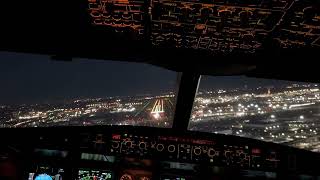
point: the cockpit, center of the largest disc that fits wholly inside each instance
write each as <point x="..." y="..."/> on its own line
<point x="159" y="90"/>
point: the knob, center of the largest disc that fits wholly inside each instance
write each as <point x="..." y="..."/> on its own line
<point x="160" y="147"/>
<point x="143" y="145"/>
<point x="211" y="152"/>
<point x="227" y="154"/>
<point x="197" y="151"/>
<point x="115" y="145"/>
<point x="171" y="148"/>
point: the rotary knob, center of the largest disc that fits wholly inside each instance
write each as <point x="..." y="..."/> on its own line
<point x="197" y="151"/>
<point x="115" y="144"/>
<point x="143" y="145"/>
<point x="211" y="152"/>
<point x="171" y="148"/>
<point x="160" y="147"/>
<point x="227" y="154"/>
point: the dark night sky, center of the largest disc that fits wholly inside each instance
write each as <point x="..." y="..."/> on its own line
<point x="29" y="78"/>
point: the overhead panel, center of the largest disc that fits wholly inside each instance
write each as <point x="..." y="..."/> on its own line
<point x="216" y="26"/>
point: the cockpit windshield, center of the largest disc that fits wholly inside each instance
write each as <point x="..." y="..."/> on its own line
<point x="269" y="110"/>
<point x="39" y="92"/>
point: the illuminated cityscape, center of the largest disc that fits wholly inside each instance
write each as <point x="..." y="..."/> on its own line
<point x="154" y="111"/>
<point x="288" y="115"/>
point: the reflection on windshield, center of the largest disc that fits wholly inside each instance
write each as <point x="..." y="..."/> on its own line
<point x="38" y="92"/>
<point x="276" y="111"/>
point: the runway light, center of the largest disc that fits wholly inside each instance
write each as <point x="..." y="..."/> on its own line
<point x="156" y="115"/>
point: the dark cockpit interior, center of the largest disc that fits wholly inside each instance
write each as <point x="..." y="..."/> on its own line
<point x="159" y="90"/>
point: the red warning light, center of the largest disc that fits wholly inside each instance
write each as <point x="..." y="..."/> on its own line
<point x="116" y="136"/>
<point x="256" y="151"/>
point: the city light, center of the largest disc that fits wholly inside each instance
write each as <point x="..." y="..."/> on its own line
<point x="277" y="115"/>
<point x="281" y="115"/>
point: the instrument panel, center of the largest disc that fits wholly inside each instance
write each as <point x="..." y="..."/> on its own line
<point x="143" y="153"/>
<point x="119" y="16"/>
<point x="186" y="149"/>
<point x="216" y="26"/>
